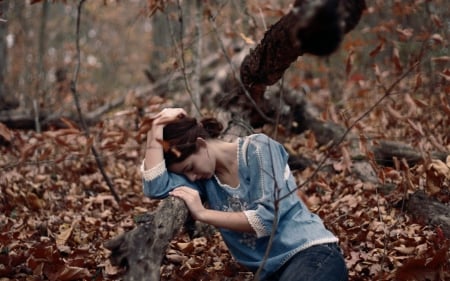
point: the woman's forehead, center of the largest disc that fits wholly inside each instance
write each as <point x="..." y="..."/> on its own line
<point x="180" y="166"/>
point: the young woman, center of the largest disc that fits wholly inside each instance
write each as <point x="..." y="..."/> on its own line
<point x="241" y="182"/>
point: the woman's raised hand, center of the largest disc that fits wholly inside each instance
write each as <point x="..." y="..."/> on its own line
<point x="168" y="115"/>
<point x="164" y="117"/>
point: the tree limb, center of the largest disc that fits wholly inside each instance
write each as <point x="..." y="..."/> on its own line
<point x="141" y="250"/>
<point x="73" y="89"/>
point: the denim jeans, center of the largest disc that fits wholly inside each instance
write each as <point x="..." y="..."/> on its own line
<point x="317" y="263"/>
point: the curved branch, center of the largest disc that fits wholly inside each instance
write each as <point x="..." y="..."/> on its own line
<point x="313" y="26"/>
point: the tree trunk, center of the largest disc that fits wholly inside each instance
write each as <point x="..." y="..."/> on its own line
<point x="7" y="99"/>
<point x="161" y="43"/>
<point x="3" y="54"/>
<point x="141" y="250"/>
<point x="40" y="67"/>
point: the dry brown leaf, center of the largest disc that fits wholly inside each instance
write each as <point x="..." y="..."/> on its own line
<point x="377" y="49"/>
<point x="65" y="231"/>
<point x="444" y="75"/>
<point x="444" y="59"/>
<point x="405" y="34"/>
<point x="66" y="273"/>
<point x="176" y="258"/>
<point x="110" y="269"/>
<point x="405" y="250"/>
<point x="396" y="60"/>
<point x="5" y="133"/>
<point x="440" y="169"/>
<point x="34" y="201"/>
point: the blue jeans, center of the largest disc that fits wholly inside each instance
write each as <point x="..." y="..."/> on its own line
<point x="317" y="263"/>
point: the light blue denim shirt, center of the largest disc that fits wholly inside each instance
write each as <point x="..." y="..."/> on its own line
<point x="263" y="174"/>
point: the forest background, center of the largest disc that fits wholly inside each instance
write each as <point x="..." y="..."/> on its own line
<point x="136" y="57"/>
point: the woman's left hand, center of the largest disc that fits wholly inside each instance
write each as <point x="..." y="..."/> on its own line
<point x="192" y="199"/>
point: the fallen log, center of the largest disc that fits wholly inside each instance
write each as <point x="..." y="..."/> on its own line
<point x="26" y="120"/>
<point x="428" y="210"/>
<point x="142" y="249"/>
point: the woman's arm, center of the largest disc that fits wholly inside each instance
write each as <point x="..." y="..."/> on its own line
<point x="235" y="221"/>
<point x="157" y="181"/>
<point x="154" y="153"/>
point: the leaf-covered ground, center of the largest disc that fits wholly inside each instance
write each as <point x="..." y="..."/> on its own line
<point x="57" y="211"/>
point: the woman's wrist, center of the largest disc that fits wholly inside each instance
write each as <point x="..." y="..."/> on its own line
<point x="202" y="216"/>
<point x="154" y="136"/>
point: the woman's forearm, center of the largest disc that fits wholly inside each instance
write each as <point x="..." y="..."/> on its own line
<point x="236" y="221"/>
<point x="154" y="154"/>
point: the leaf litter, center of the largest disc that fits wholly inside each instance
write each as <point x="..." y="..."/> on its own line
<point x="56" y="210"/>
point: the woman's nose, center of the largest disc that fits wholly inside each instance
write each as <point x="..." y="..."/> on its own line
<point x="192" y="177"/>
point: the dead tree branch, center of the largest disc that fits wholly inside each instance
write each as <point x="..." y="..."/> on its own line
<point x="141" y="250"/>
<point x="73" y="88"/>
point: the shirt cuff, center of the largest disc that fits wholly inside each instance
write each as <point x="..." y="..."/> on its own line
<point x="256" y="223"/>
<point x="153" y="172"/>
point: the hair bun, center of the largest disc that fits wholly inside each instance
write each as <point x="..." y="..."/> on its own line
<point x="212" y="126"/>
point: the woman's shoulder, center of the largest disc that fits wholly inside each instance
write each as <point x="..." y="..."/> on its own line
<point x="259" y="137"/>
<point x="258" y="140"/>
<point x="256" y="145"/>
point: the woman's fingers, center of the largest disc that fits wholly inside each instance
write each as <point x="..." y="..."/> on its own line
<point x="192" y="199"/>
<point x="190" y="196"/>
<point x="168" y="115"/>
<point x="184" y="192"/>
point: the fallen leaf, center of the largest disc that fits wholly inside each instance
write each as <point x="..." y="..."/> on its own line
<point x="5" y="133"/>
<point x="64" y="233"/>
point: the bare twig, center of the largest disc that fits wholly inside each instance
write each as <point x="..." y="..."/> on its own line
<point x="387" y="93"/>
<point x="180" y="51"/>
<point x="73" y="89"/>
<point x="276" y="195"/>
<point x="198" y="56"/>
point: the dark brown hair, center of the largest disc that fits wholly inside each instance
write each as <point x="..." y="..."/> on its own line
<point x="180" y="137"/>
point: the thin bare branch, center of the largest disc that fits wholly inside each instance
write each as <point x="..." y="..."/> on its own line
<point x="180" y="51"/>
<point x="276" y="195"/>
<point x="387" y="92"/>
<point x="73" y="89"/>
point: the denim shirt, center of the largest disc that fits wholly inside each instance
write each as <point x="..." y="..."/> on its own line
<point x="263" y="176"/>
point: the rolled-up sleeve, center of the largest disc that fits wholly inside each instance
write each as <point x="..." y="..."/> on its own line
<point x="154" y="172"/>
<point x="158" y="181"/>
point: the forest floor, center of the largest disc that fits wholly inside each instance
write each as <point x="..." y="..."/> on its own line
<point x="57" y="211"/>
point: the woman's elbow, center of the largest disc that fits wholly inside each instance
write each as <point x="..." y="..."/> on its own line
<point x="154" y="193"/>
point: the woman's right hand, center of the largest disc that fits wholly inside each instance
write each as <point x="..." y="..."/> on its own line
<point x="168" y="115"/>
<point x="154" y="147"/>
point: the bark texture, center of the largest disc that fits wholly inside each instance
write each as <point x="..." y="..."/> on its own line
<point x="429" y="211"/>
<point x="313" y="26"/>
<point x="141" y="250"/>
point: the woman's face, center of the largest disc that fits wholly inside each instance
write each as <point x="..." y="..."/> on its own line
<point x="198" y="166"/>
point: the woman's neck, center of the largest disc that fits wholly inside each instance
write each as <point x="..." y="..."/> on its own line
<point x="225" y="154"/>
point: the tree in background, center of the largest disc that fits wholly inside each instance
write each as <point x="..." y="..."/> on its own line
<point x="7" y="100"/>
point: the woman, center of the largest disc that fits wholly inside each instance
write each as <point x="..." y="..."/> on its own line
<point x="240" y="181"/>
